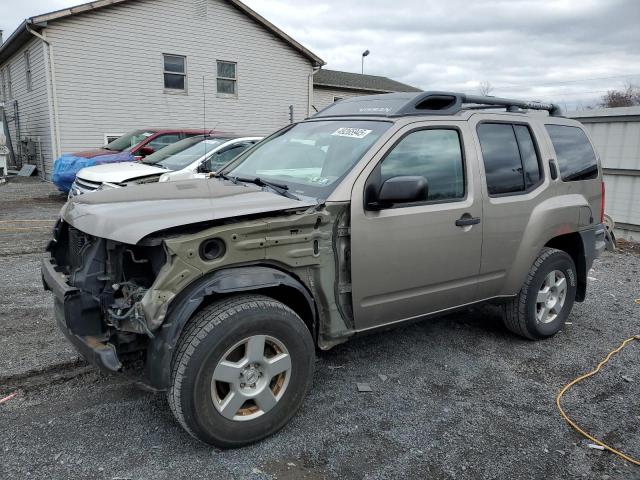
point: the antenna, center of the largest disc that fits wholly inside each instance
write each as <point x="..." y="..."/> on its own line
<point x="204" y="118"/>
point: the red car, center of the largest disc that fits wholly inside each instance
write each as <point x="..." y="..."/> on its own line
<point x="143" y="142"/>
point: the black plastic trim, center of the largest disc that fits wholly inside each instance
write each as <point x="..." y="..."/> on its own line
<point x="593" y="244"/>
<point x="225" y="281"/>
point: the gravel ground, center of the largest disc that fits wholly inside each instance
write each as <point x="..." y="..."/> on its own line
<point x="29" y="340"/>
<point x="29" y="209"/>
<point x="459" y="398"/>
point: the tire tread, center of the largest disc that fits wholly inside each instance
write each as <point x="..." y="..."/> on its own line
<point x="515" y="310"/>
<point x="196" y="330"/>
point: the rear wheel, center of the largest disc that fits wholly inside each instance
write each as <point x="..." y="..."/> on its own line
<point x="546" y="298"/>
<point x="241" y="371"/>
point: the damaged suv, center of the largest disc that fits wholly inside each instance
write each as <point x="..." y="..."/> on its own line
<point x="375" y="211"/>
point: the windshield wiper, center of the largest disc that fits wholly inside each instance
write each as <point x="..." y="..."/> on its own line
<point x="279" y="188"/>
<point x="224" y="176"/>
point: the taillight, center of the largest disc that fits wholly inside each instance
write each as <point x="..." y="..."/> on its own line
<point x="602" y="203"/>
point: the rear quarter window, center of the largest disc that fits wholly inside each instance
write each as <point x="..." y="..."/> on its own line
<point x="575" y="155"/>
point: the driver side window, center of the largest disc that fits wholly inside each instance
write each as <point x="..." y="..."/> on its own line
<point x="435" y="154"/>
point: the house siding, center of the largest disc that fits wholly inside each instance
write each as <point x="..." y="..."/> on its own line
<point x="323" y="97"/>
<point x="33" y="105"/>
<point x="109" y="65"/>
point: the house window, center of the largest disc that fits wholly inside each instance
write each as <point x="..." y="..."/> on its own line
<point x="27" y="70"/>
<point x="337" y="99"/>
<point x="110" y="137"/>
<point x="227" y="78"/>
<point x="175" y="72"/>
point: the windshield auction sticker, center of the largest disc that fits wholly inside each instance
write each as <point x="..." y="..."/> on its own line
<point x="352" y="132"/>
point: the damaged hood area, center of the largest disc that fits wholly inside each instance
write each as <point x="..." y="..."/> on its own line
<point x="129" y="214"/>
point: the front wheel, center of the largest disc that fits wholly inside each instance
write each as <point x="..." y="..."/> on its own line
<point x="546" y="298"/>
<point x="241" y="371"/>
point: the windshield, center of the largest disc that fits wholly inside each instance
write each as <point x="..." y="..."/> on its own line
<point x="183" y="153"/>
<point x="128" y="140"/>
<point x="310" y="157"/>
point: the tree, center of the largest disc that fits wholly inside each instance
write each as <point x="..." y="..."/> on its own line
<point x="627" y="97"/>
<point x="485" y="88"/>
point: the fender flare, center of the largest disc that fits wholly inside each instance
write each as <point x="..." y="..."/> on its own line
<point x="228" y="280"/>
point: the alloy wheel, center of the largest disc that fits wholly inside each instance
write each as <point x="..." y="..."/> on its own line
<point x="551" y="297"/>
<point x="250" y="378"/>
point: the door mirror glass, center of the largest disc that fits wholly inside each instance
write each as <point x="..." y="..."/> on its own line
<point x="404" y="189"/>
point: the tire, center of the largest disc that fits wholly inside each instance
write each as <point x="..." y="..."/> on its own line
<point x="236" y="325"/>
<point x="523" y="314"/>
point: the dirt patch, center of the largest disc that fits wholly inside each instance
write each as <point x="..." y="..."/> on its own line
<point x="626" y="246"/>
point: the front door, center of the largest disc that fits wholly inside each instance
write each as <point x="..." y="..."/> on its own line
<point x="409" y="260"/>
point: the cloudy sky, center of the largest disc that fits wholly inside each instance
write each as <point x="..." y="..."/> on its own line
<point x="567" y="51"/>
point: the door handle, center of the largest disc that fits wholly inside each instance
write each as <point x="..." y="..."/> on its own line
<point x="467" y="220"/>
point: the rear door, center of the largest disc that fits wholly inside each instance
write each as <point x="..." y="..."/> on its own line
<point x="412" y="259"/>
<point x="514" y="183"/>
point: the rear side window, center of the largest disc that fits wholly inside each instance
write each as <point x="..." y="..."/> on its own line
<point x="435" y="154"/>
<point x="511" y="161"/>
<point x="574" y="152"/>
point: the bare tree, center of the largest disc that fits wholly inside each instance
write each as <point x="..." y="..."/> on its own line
<point x="627" y="97"/>
<point x="485" y="88"/>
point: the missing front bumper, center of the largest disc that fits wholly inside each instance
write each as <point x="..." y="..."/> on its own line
<point x="76" y="317"/>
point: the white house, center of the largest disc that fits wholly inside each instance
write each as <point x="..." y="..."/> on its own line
<point x="72" y="77"/>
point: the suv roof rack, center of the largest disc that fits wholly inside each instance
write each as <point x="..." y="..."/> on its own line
<point x="427" y="103"/>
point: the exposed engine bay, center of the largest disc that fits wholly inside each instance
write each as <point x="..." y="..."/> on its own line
<point x="111" y="278"/>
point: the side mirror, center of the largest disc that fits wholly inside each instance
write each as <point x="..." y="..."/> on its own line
<point x="146" y="150"/>
<point x="405" y="189"/>
<point x="204" y="167"/>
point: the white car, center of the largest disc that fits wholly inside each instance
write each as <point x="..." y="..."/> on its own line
<point x="192" y="157"/>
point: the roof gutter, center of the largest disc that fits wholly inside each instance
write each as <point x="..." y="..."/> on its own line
<point x="51" y="84"/>
<point x="315" y="69"/>
<point x="355" y="89"/>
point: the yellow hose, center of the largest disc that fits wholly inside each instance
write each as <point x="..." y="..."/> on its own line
<point x="587" y="375"/>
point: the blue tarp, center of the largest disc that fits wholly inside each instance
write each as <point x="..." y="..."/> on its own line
<point x="66" y="167"/>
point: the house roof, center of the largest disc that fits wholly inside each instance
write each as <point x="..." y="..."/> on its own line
<point x="21" y="35"/>
<point x="357" y="81"/>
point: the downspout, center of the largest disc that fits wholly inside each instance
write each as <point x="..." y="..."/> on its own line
<point x="314" y="70"/>
<point x="53" y="92"/>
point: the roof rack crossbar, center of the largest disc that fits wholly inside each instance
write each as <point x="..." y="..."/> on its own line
<point x="552" y="108"/>
<point x="428" y="103"/>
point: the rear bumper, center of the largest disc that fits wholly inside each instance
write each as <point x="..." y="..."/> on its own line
<point x="600" y="240"/>
<point x="593" y="243"/>
<point x="69" y="305"/>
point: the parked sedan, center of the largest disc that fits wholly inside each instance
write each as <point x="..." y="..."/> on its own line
<point x="189" y="158"/>
<point x="134" y="145"/>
